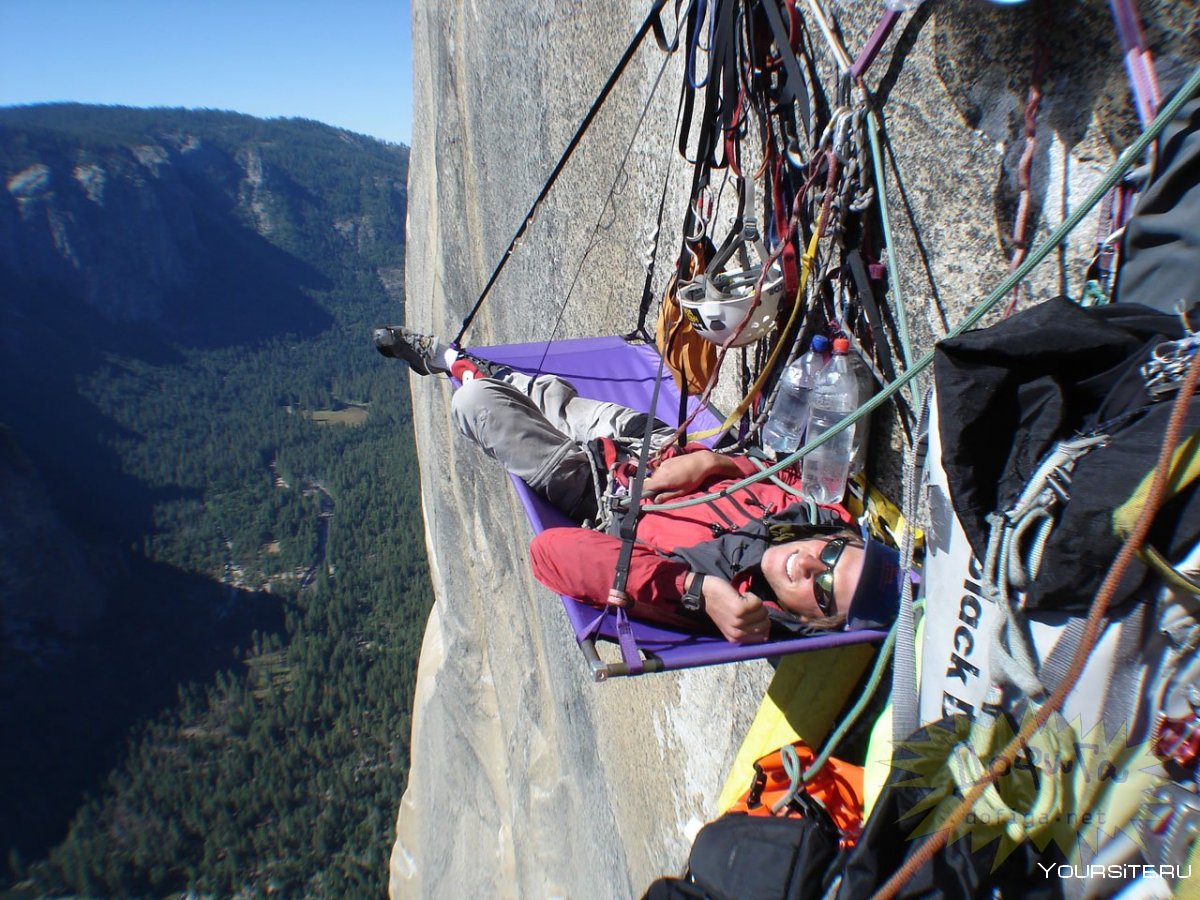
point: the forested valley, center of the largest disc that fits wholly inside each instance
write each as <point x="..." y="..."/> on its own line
<point x="214" y="574"/>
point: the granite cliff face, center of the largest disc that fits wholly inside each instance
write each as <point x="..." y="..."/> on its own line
<point x="527" y="779"/>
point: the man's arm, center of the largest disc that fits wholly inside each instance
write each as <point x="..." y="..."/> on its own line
<point x="681" y="475"/>
<point x="581" y="563"/>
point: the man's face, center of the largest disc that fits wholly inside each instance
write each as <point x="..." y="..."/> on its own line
<point x="791" y="569"/>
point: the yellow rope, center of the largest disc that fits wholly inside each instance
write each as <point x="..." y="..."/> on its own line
<point x="806" y="265"/>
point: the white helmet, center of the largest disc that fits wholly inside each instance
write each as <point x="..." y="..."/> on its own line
<point x="717" y="304"/>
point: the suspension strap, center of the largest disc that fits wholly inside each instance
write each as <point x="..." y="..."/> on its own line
<point x="874" y="43"/>
<point x="652" y="23"/>
<point x="629" y="524"/>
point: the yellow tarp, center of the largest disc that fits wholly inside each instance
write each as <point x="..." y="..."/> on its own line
<point x="804" y="699"/>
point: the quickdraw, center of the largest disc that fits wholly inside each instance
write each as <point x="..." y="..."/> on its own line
<point x="1168" y="364"/>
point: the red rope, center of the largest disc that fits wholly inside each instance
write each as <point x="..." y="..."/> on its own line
<point x="1137" y="537"/>
<point x="1020" y="235"/>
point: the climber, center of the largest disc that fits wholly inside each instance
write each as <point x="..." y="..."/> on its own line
<point x="740" y="562"/>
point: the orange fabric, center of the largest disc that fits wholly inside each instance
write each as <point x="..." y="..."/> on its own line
<point x="838" y="787"/>
<point x="690" y="357"/>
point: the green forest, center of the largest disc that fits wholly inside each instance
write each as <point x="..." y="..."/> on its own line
<point x="236" y="722"/>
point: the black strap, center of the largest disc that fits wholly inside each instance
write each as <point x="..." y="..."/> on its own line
<point x="651" y="23"/>
<point x="866" y="298"/>
<point x="794" y="87"/>
<point x="629" y="523"/>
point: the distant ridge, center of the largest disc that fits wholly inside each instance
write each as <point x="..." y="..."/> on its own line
<point x="207" y="665"/>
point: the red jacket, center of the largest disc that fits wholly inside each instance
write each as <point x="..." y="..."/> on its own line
<point x="581" y="563"/>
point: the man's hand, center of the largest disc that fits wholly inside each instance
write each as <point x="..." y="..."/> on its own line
<point x="681" y="475"/>
<point x="741" y="618"/>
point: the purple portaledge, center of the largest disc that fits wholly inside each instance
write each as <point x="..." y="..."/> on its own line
<point x="611" y="368"/>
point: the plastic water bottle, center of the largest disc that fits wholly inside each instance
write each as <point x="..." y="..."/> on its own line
<point x="834" y="397"/>
<point x="789" y="414"/>
<point x="867" y="386"/>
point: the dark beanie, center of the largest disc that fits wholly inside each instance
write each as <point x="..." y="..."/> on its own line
<point x="877" y="596"/>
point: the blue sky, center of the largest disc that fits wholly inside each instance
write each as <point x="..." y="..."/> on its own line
<point x="346" y="63"/>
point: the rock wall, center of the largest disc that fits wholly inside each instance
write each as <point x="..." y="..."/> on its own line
<point x="527" y="779"/>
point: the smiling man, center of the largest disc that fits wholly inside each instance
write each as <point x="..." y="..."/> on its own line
<point x="746" y="562"/>
<point x="743" y="562"/>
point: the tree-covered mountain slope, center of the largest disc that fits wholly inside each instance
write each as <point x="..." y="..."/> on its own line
<point x="213" y="568"/>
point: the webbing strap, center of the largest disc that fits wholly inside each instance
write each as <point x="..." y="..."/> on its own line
<point x="1138" y="63"/>
<point x="651" y="23"/>
<point x="1124" y="687"/>
<point x="629" y="647"/>
<point x="629" y="524"/>
<point x="626" y="640"/>
<point x="906" y="689"/>
<point x="875" y="43"/>
<point x="796" y="85"/>
<point x="1056" y="664"/>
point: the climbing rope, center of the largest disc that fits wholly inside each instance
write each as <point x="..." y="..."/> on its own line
<point x="889" y="242"/>
<point x="882" y="659"/>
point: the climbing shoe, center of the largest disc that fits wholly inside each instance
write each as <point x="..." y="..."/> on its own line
<point x="424" y="353"/>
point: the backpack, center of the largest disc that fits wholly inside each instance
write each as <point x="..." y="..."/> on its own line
<point x="763" y="857"/>
<point x="780" y="839"/>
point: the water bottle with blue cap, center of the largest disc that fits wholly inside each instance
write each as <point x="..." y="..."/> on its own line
<point x="789" y="413"/>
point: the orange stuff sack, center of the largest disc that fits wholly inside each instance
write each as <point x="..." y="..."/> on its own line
<point x="690" y="357"/>
<point x="837" y="789"/>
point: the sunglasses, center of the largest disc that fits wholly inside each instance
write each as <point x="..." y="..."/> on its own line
<point x="823" y="583"/>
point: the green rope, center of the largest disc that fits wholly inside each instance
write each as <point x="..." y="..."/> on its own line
<point x="893" y="267"/>
<point x="778" y="482"/>
<point x="1126" y="159"/>
<point x="831" y="743"/>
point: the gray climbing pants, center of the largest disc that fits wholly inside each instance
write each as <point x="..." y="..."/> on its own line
<point x="537" y="428"/>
